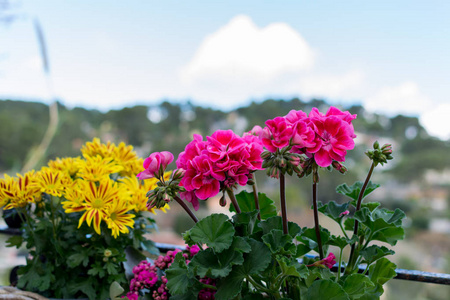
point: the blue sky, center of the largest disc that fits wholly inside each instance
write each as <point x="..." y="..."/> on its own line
<point x="391" y="56"/>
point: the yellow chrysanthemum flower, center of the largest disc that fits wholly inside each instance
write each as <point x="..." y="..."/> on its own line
<point x="97" y="168"/>
<point x="7" y="190"/>
<point x="118" y="219"/>
<point x="125" y="156"/>
<point x="69" y="165"/>
<point x="97" y="197"/>
<point x="135" y="191"/>
<point x="18" y="192"/>
<point x="51" y="181"/>
<point x="94" y="148"/>
<point x="74" y="195"/>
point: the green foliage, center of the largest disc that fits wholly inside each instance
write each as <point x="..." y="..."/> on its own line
<point x="246" y="202"/>
<point x="61" y="249"/>
<point x="215" y="231"/>
<point x="354" y="190"/>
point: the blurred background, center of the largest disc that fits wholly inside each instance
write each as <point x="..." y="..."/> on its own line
<point x="152" y="73"/>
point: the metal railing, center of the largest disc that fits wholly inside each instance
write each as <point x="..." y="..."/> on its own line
<point x="410" y="275"/>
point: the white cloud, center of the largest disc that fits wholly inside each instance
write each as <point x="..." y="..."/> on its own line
<point x="345" y="85"/>
<point x="405" y="98"/>
<point x="437" y="122"/>
<point x="241" y="60"/>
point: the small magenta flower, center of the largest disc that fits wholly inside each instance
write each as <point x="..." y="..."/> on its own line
<point x="155" y="164"/>
<point x="328" y="262"/>
<point x="344" y="213"/>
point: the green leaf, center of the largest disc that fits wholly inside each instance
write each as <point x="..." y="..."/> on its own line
<point x="149" y="248"/>
<point x="256" y="261"/>
<point x="279" y="243"/>
<point x="97" y="270"/>
<point x="354" y="190"/>
<point x="333" y="210"/>
<point x="374" y="252"/>
<point x="356" y="285"/>
<point x="309" y="239"/>
<point x="85" y="287"/>
<point x="342" y="242"/>
<point x="246" y="202"/>
<point x="14" y="241"/>
<point x="291" y="267"/>
<point x="76" y="259"/>
<point x="385" y="225"/>
<point x="115" y="290"/>
<point x="277" y="223"/>
<point x="211" y="265"/>
<point x="215" y="231"/>
<point x="229" y="287"/>
<point x="245" y="222"/>
<point x="111" y="268"/>
<point x="179" y="278"/>
<point x="326" y="290"/>
<point x="382" y="271"/>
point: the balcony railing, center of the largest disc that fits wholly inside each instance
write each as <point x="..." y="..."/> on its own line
<point x="410" y="275"/>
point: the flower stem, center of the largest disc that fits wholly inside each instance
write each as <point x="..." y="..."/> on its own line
<point x="233" y="200"/>
<point x="316" y="211"/>
<point x="283" y="203"/>
<point x="186" y="208"/>
<point x="339" y="266"/>
<point x="255" y="196"/>
<point x="352" y="258"/>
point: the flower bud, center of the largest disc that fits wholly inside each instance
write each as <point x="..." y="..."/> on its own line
<point x="275" y="173"/>
<point x="178" y="174"/>
<point x="376" y="145"/>
<point x="166" y="198"/>
<point x="223" y="201"/>
<point x="266" y="154"/>
<point x="282" y="162"/>
<point x="107" y="253"/>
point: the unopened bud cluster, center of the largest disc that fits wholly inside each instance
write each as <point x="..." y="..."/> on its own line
<point x="339" y="167"/>
<point x="164" y="192"/>
<point x="380" y="155"/>
<point x="282" y="162"/>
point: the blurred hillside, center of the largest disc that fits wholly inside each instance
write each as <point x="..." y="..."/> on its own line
<point x="418" y="179"/>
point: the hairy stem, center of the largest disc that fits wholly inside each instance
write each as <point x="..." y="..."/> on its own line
<point x="255" y="196"/>
<point x="283" y="203"/>
<point x="233" y="200"/>
<point x="316" y="211"/>
<point x="352" y="258"/>
<point x="186" y="208"/>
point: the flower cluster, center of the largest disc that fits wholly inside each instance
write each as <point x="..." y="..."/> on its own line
<point x="94" y="200"/>
<point x="326" y="137"/>
<point x="256" y="252"/>
<point x="221" y="162"/>
<point x="147" y="279"/>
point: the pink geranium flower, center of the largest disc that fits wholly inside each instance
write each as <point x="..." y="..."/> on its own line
<point x="277" y="134"/>
<point x="334" y="136"/>
<point x="222" y="161"/>
<point x="155" y="163"/>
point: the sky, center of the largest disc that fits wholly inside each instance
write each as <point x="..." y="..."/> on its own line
<point x="393" y="57"/>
